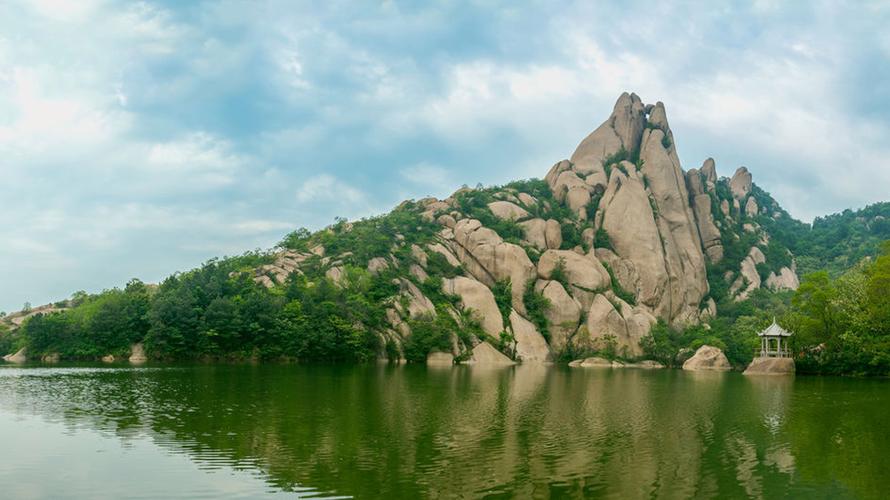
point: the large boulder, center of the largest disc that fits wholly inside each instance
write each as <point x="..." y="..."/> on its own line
<point x="418" y="303"/>
<point x="740" y="184"/>
<point x="573" y="191"/>
<point x="18" y="357"/>
<point x="563" y="315"/>
<point x="709" y="172"/>
<point x="531" y="347"/>
<point x="542" y="234"/>
<point x="751" y="207"/>
<point x="786" y="280"/>
<point x="749" y="277"/>
<point x="610" y="317"/>
<point x="770" y="366"/>
<point x="585" y="274"/>
<point x="478" y="297"/>
<point x="137" y="354"/>
<point x="707" y="358"/>
<point x="484" y="354"/>
<point x="507" y="211"/>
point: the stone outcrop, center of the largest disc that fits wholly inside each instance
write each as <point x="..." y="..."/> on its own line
<point x="563" y="315"/>
<point x="749" y="277"/>
<point x="684" y="260"/>
<point x="700" y="185"/>
<point x="507" y="211"/>
<point x="478" y="297"/>
<point x="585" y="274"/>
<point x="531" y="347"/>
<point x="622" y="130"/>
<point x="751" y="207"/>
<point x="542" y="234"/>
<point x="18" y="357"/>
<point x="770" y="366"/>
<point x="707" y="358"/>
<point x="786" y="280"/>
<point x="614" y="319"/>
<point x="484" y="354"/>
<point x="489" y="259"/>
<point x="741" y="183"/>
<point x="418" y="304"/>
<point x="137" y="354"/>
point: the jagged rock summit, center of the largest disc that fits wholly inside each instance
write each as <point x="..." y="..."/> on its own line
<point x="617" y="237"/>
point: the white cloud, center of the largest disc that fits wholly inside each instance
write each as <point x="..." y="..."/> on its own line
<point x="198" y="158"/>
<point x="325" y="187"/>
<point x="427" y="175"/>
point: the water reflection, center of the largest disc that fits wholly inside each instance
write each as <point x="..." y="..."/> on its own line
<point x="526" y="431"/>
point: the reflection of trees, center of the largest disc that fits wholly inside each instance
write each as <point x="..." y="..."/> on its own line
<point x="523" y="431"/>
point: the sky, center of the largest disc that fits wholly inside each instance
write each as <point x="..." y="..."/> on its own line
<point x="138" y="139"/>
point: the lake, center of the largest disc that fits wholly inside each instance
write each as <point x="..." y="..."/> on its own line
<point x="292" y="431"/>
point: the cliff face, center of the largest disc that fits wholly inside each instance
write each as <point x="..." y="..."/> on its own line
<point x="618" y="238"/>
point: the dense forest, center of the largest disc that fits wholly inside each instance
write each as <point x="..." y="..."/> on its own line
<point x="219" y="311"/>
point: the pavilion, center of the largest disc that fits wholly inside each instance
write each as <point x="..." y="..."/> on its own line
<point x="771" y="343"/>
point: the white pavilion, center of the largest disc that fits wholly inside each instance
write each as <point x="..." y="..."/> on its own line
<point x="774" y="341"/>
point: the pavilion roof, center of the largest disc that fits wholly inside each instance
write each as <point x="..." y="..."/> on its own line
<point x="774" y="330"/>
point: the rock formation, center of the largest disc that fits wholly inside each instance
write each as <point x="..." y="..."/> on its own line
<point x="707" y="358"/>
<point x="18" y="357"/>
<point x="137" y="354"/>
<point x="770" y="366"/>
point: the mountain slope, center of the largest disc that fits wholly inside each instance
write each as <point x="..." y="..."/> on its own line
<point x="588" y="260"/>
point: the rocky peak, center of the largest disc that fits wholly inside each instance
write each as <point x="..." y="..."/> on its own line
<point x="740" y="183"/>
<point x="622" y="130"/>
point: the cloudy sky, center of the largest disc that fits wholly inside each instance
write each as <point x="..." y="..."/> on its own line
<point x="142" y="138"/>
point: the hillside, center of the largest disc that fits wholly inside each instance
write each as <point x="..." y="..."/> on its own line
<point x="615" y="250"/>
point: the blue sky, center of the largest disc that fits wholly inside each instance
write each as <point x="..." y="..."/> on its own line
<point x="142" y="138"/>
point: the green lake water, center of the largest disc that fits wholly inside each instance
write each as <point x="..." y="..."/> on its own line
<point x="418" y="432"/>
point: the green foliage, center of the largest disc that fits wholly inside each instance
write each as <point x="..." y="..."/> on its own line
<point x="619" y="292"/>
<point x="617" y="157"/>
<point x="571" y="236"/>
<point x="428" y="334"/>
<point x="105" y="323"/>
<point x="666" y="141"/>
<point x="475" y="205"/>
<point x="841" y="325"/>
<point x="559" y="274"/>
<point x="503" y="296"/>
<point x="536" y="305"/>
<point x="438" y="265"/>
<point x="297" y="240"/>
<point x="601" y="240"/>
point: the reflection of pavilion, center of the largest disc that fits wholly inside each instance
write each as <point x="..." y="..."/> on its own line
<point x="773" y="357"/>
<point x="771" y="341"/>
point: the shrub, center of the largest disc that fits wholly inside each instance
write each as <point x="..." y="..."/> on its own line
<point x="601" y="239"/>
<point x="536" y="305"/>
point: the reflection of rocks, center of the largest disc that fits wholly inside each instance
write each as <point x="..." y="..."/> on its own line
<point x="440" y="359"/>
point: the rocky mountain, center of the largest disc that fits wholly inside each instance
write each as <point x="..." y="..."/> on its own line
<point x="618" y="237"/>
<point x="585" y="262"/>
